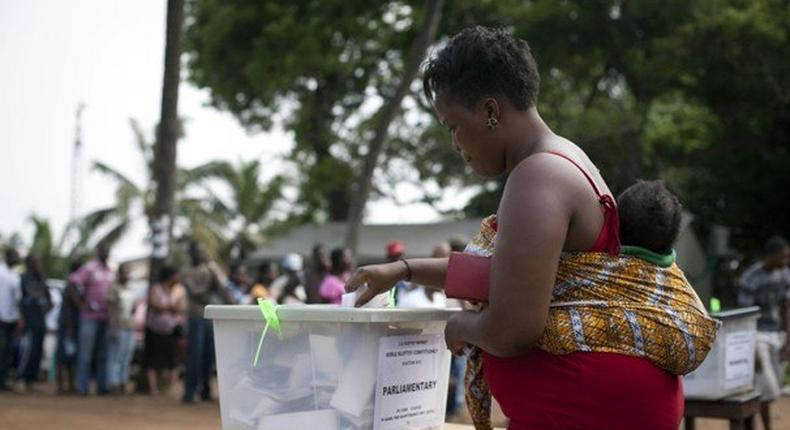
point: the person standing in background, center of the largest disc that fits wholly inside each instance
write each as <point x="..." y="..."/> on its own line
<point x="239" y="283"/>
<point x="121" y="307"/>
<point x="68" y="327"/>
<point x="36" y="302"/>
<point x="95" y="278"/>
<point x="267" y="273"/>
<point x="767" y="284"/>
<point x="289" y="288"/>
<point x="166" y="313"/>
<point x="320" y="267"/>
<point x="333" y="286"/>
<point x="10" y="295"/>
<point x="200" y="281"/>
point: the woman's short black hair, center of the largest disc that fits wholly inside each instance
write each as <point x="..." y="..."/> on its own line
<point x="166" y="273"/>
<point x="480" y="62"/>
<point x="650" y="216"/>
<point x="338" y="257"/>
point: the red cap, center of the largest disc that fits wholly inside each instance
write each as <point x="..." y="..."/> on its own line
<point x="395" y="248"/>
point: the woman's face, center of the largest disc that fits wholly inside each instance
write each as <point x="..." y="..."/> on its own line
<point x="471" y="136"/>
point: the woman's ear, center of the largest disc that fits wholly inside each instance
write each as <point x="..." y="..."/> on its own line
<point x="491" y="107"/>
<point x="492" y="112"/>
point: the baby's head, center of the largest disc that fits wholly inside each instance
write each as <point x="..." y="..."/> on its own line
<point x="649" y="216"/>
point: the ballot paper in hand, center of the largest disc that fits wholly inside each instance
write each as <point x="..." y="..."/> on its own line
<point x="350" y="299"/>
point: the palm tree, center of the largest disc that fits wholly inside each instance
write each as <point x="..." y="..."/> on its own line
<point x="135" y="200"/>
<point x="55" y="255"/>
<point x="248" y="208"/>
<point x="131" y="199"/>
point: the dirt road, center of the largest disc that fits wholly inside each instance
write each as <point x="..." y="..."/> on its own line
<point x="45" y="410"/>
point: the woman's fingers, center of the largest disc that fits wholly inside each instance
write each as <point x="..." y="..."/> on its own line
<point x="359" y="278"/>
<point x="366" y="296"/>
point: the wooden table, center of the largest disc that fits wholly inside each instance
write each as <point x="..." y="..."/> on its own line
<point x="739" y="409"/>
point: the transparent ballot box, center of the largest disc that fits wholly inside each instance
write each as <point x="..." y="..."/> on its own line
<point x="331" y="368"/>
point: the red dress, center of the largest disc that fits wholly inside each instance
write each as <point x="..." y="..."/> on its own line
<point x="585" y="390"/>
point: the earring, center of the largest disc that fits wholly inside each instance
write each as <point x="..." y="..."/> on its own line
<point x="492" y="123"/>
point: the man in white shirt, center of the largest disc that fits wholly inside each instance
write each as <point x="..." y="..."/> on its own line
<point x="10" y="295"/>
<point x="767" y="284"/>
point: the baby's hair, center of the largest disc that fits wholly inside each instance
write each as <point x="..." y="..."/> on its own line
<point x="650" y="216"/>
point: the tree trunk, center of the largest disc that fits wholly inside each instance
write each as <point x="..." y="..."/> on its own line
<point x="165" y="173"/>
<point x="388" y="112"/>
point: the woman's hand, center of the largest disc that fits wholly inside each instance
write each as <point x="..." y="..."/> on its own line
<point x="452" y="334"/>
<point x="379" y="278"/>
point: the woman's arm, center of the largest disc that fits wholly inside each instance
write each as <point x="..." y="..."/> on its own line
<point x="114" y="310"/>
<point x="382" y="277"/>
<point x="532" y="222"/>
<point x="179" y="299"/>
<point x="48" y="296"/>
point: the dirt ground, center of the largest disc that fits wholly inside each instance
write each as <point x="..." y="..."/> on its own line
<point x="45" y="410"/>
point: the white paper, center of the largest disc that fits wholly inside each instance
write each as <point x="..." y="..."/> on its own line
<point x="738" y="359"/>
<point x="407" y="388"/>
<point x="301" y="372"/>
<point x="242" y="417"/>
<point x="354" y="393"/>
<point x="311" y="420"/>
<point x="326" y="358"/>
<point x="364" y="421"/>
<point x="348" y="300"/>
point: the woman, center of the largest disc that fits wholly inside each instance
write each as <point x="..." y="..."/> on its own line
<point x="68" y="327"/>
<point x="267" y="273"/>
<point x="36" y="302"/>
<point x="320" y="267"/>
<point x="484" y="86"/>
<point x="167" y="307"/>
<point x="121" y="309"/>
<point x="331" y="288"/>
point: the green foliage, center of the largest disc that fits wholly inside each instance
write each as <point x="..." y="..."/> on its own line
<point x="245" y="215"/>
<point x="134" y="201"/>
<point x="315" y="62"/>
<point x="695" y="92"/>
<point x="43" y="245"/>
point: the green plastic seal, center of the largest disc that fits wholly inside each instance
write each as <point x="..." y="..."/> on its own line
<point x="269" y="312"/>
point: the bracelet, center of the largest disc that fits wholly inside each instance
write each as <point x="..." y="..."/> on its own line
<point x="408" y="269"/>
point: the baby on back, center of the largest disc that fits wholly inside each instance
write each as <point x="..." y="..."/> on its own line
<point x="650" y="218"/>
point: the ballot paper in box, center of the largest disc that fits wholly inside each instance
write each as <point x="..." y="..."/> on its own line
<point x="333" y="368"/>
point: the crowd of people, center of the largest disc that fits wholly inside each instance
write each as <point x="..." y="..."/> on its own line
<point x="99" y="316"/>
<point x="102" y="319"/>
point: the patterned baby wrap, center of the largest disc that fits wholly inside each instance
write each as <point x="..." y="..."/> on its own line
<point x="602" y="303"/>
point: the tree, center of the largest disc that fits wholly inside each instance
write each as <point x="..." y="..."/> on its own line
<point x="165" y="172"/>
<point x="328" y="76"/>
<point x="55" y="255"/>
<point x="43" y="245"/>
<point x="247" y="212"/>
<point x="134" y="200"/>
<point x="693" y="92"/>
<point x="386" y="115"/>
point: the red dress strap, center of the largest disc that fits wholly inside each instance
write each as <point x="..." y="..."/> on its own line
<point x="609" y="237"/>
<point x="582" y="169"/>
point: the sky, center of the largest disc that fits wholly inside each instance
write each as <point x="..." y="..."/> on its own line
<point x="107" y="54"/>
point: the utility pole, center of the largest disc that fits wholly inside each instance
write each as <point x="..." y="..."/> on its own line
<point x="76" y="168"/>
<point x="165" y="174"/>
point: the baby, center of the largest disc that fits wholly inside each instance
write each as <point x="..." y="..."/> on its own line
<point x="650" y="217"/>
